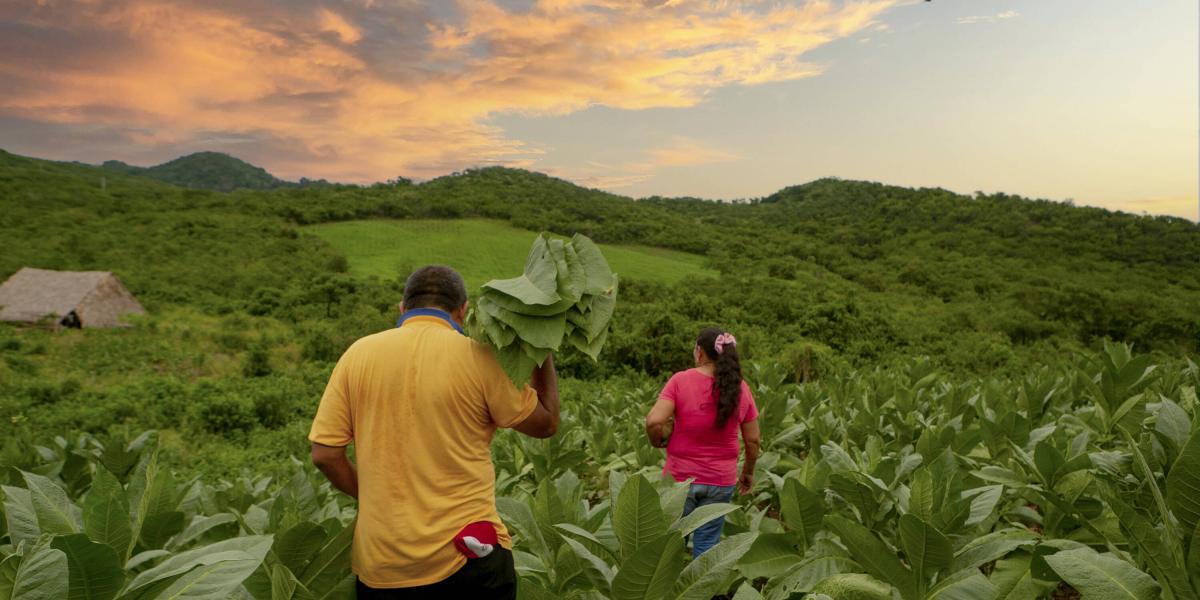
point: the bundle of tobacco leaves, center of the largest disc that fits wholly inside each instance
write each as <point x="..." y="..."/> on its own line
<point x="565" y="298"/>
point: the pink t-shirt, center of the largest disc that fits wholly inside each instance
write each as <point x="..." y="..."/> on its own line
<point x="697" y="448"/>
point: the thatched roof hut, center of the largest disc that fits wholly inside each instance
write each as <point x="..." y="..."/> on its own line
<point x="66" y="298"/>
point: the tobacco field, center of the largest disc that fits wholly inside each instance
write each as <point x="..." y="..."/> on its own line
<point x="1076" y="480"/>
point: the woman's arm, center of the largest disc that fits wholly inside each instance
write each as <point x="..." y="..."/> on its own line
<point x="659" y="417"/>
<point x="751" y="441"/>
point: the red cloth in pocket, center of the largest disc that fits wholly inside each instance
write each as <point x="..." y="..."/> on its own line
<point x="476" y="540"/>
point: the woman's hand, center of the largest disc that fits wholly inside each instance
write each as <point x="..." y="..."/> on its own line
<point x="745" y="483"/>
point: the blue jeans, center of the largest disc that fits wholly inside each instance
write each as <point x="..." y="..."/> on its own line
<point x="708" y="534"/>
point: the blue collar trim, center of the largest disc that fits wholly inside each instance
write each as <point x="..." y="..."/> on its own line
<point x="430" y="312"/>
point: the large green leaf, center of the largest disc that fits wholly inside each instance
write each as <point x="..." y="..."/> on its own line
<point x="853" y="586"/>
<point x="746" y="591"/>
<point x="650" y="572"/>
<point x="701" y="516"/>
<point x="141" y="494"/>
<point x="672" y="495"/>
<point x="285" y="586"/>
<point x="801" y="509"/>
<point x="992" y="546"/>
<point x="216" y="580"/>
<point x="968" y="584"/>
<point x="601" y="311"/>
<point x="106" y="512"/>
<point x="1102" y="576"/>
<point x="594" y="568"/>
<point x="95" y="569"/>
<point x="519" y="516"/>
<point x="593" y="542"/>
<point x="984" y="500"/>
<point x="538" y="284"/>
<point x="159" y="528"/>
<point x="1172" y="426"/>
<point x="234" y="549"/>
<point x="599" y="275"/>
<point x="331" y="564"/>
<point x="772" y="554"/>
<point x="1193" y="560"/>
<point x="638" y="518"/>
<point x="8" y="575"/>
<point x="1013" y="579"/>
<point x="298" y="545"/>
<point x="200" y="525"/>
<point x="20" y="515"/>
<point x="341" y="590"/>
<point x="805" y="575"/>
<point x="1165" y="562"/>
<point x="42" y="575"/>
<point x="55" y="511"/>
<point x="922" y="500"/>
<point x="542" y="332"/>
<point x="927" y="549"/>
<point x="702" y="578"/>
<point x="873" y="555"/>
<point x="1183" y="484"/>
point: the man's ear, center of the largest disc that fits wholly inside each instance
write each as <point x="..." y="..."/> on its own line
<point x="460" y="315"/>
<point x="402" y="309"/>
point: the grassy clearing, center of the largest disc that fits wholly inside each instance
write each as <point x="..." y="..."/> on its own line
<point x="480" y="249"/>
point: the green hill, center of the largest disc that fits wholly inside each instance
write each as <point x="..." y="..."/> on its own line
<point x="207" y="171"/>
<point x="837" y="272"/>
<point x="482" y="249"/>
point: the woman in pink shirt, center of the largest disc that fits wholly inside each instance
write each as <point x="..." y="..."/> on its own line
<point x="709" y="405"/>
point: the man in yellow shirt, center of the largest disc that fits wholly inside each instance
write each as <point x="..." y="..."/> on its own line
<point x="421" y="403"/>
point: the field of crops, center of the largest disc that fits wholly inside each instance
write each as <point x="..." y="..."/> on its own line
<point x="1082" y="479"/>
<point x="483" y="250"/>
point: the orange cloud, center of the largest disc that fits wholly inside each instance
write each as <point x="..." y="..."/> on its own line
<point x="685" y="151"/>
<point x="679" y="152"/>
<point x="365" y="91"/>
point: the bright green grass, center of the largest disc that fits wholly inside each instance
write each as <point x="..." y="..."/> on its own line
<point x="479" y="249"/>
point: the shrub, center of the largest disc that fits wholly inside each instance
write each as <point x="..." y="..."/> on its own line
<point x="257" y="361"/>
<point x="226" y="414"/>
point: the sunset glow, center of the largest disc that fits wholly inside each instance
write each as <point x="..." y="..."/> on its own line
<point x="714" y="99"/>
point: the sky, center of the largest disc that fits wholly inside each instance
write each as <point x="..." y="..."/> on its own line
<point x="1093" y="101"/>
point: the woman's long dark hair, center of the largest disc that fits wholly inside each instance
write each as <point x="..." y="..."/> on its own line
<point x="727" y="371"/>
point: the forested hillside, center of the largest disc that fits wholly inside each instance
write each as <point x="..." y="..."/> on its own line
<point x="827" y="273"/>
<point x="206" y="171"/>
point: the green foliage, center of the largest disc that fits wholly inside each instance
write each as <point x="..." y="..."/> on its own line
<point x="225" y="414"/>
<point x="271" y="540"/>
<point x="565" y="298"/>
<point x="480" y="249"/>
<point x="888" y="483"/>
<point x="205" y="170"/>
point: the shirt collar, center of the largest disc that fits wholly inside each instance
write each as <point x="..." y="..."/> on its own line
<point x="430" y="312"/>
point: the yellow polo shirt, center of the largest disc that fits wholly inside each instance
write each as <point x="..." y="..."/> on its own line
<point x="420" y="403"/>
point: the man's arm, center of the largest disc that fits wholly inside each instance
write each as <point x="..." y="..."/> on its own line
<point x="543" y="421"/>
<point x="657" y="420"/>
<point x="337" y="468"/>
<point x="752" y="440"/>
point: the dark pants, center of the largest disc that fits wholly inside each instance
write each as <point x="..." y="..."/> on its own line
<point x="492" y="576"/>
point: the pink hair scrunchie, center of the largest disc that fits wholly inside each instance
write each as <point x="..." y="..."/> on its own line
<point x="725" y="339"/>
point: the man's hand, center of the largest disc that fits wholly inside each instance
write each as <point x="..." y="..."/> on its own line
<point x="543" y="423"/>
<point x="337" y="468"/>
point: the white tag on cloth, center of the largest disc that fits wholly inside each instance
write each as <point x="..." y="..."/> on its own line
<point x="479" y="548"/>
